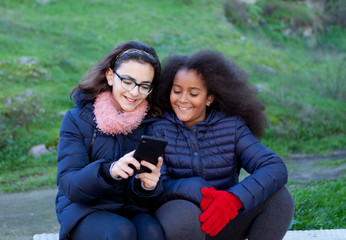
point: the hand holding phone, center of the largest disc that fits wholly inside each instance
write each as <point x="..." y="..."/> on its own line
<point x="150" y="180"/>
<point x="149" y="149"/>
<point x="123" y="167"/>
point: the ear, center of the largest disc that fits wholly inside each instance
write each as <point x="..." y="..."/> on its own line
<point x="210" y="99"/>
<point x="109" y="76"/>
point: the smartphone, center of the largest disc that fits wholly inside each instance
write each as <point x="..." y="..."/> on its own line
<point x="149" y="149"/>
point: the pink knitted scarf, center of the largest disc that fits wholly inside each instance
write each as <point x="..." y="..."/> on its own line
<point x="110" y="121"/>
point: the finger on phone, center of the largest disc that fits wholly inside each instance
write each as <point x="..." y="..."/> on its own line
<point x="148" y="179"/>
<point x="148" y="165"/>
<point x="120" y="171"/>
<point x="130" y="154"/>
<point x="123" y="175"/>
<point x="159" y="162"/>
<point x="145" y="177"/>
<point x="128" y="170"/>
<point x="135" y="163"/>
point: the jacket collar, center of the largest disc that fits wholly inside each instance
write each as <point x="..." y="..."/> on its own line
<point x="81" y="99"/>
<point x="87" y="114"/>
<point x="212" y="117"/>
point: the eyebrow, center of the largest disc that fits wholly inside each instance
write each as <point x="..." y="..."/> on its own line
<point x="190" y="88"/>
<point x="129" y="77"/>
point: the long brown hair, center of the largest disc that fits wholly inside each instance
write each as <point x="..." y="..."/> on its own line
<point x="224" y="80"/>
<point x="94" y="81"/>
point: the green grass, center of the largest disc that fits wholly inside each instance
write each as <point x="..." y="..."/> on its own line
<point x="320" y="205"/>
<point x="37" y="173"/>
<point x="304" y="87"/>
<point x="29" y="179"/>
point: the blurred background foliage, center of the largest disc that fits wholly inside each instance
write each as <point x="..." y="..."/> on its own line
<point x="292" y="51"/>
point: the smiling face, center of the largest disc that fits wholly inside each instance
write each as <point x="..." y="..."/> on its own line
<point x="141" y="73"/>
<point x="189" y="97"/>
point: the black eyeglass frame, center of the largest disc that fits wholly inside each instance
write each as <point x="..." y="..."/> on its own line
<point x="136" y="84"/>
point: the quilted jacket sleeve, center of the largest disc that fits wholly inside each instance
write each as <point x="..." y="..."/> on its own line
<point x="268" y="172"/>
<point x="78" y="179"/>
<point x="142" y="197"/>
<point x="183" y="188"/>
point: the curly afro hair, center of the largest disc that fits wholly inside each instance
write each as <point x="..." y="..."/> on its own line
<point x="223" y="79"/>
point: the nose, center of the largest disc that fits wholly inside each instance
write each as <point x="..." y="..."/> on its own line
<point x="183" y="98"/>
<point x="135" y="91"/>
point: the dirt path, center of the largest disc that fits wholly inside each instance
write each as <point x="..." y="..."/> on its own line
<point x="304" y="168"/>
<point x="24" y="214"/>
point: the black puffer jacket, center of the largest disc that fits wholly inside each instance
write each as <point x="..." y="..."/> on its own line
<point x="82" y="183"/>
<point x="211" y="153"/>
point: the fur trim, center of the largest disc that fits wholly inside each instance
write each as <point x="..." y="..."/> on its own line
<point x="110" y="121"/>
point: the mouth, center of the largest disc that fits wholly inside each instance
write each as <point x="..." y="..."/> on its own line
<point x="131" y="100"/>
<point x="184" y="108"/>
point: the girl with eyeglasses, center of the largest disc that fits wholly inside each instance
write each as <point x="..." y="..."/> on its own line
<point x="99" y="195"/>
<point x="211" y="119"/>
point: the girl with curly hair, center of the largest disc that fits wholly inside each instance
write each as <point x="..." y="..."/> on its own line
<point x="211" y="119"/>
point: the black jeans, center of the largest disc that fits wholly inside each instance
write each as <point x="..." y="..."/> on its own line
<point x="111" y="226"/>
<point x="268" y="221"/>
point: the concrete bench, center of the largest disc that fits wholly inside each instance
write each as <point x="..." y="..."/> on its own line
<point x="46" y="236"/>
<point x="331" y="234"/>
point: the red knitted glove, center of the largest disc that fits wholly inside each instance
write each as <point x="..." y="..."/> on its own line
<point x="223" y="208"/>
<point x="206" y="201"/>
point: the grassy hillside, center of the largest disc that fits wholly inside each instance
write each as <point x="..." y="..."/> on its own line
<point x="303" y="87"/>
<point x="302" y="84"/>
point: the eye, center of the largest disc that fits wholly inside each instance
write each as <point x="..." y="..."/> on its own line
<point x="194" y="94"/>
<point x="127" y="82"/>
<point x="145" y="87"/>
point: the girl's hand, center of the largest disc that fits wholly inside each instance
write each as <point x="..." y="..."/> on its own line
<point x="121" y="168"/>
<point x="150" y="180"/>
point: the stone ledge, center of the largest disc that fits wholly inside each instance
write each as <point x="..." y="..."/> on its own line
<point x="330" y="234"/>
<point x="46" y="236"/>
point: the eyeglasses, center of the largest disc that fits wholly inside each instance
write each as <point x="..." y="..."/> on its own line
<point x="129" y="84"/>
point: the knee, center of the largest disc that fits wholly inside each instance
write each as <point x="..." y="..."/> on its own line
<point x="180" y="210"/>
<point x="148" y="228"/>
<point x="152" y="232"/>
<point x="124" y="230"/>
<point x="180" y="218"/>
<point x="286" y="198"/>
<point x="283" y="200"/>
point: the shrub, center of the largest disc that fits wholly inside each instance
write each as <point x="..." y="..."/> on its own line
<point x="22" y="109"/>
<point x="332" y="83"/>
<point x="279" y="20"/>
<point x="17" y="112"/>
<point x="336" y="12"/>
<point x="236" y="13"/>
<point x="17" y="72"/>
